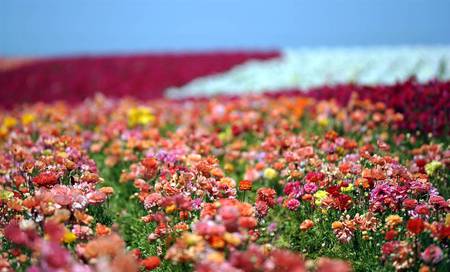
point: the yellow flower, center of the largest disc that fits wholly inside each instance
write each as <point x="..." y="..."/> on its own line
<point x="393" y="220"/>
<point x="447" y="220"/>
<point x="191" y="239"/>
<point x="6" y="195"/>
<point x="216" y="257"/>
<point x="349" y="188"/>
<point x="226" y="135"/>
<point x="232" y="239"/>
<point x="319" y="196"/>
<point x="69" y="237"/>
<point x="432" y="167"/>
<point x="3" y="131"/>
<point x="28" y="118"/>
<point x="9" y="122"/>
<point x="228" y="167"/>
<point x="140" y="116"/>
<point x="171" y="208"/>
<point x="270" y="173"/>
<point x="323" y="121"/>
<point x="63" y="154"/>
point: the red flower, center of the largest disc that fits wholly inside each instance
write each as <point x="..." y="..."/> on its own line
<point x="150" y="163"/>
<point x="409" y="204"/>
<point x="151" y="262"/>
<point x="389" y="247"/>
<point x="342" y="202"/>
<point x="334" y="190"/>
<point x="247" y="222"/>
<point x="45" y="179"/>
<point x="266" y="195"/>
<point x="415" y="225"/>
<point x="390" y="235"/>
<point x="314" y="176"/>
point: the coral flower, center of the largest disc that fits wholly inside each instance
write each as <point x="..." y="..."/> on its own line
<point x="306" y="225"/>
<point x="266" y="195"/>
<point x="247" y="222"/>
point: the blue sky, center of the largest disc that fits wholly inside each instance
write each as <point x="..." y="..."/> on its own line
<point x="67" y="27"/>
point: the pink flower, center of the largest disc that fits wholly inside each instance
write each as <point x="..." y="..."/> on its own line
<point x="15" y="234"/>
<point x="438" y="201"/>
<point x="96" y="197"/>
<point x="261" y="208"/>
<point x="330" y="265"/>
<point x="422" y="209"/>
<point x="293" y="189"/>
<point x="152" y="200"/>
<point x="62" y="195"/>
<point x="432" y="254"/>
<point x="310" y="188"/>
<point x="292" y="204"/>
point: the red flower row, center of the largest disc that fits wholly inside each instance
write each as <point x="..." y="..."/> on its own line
<point x="142" y="76"/>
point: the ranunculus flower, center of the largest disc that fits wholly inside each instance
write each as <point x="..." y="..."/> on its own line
<point x="415" y="225"/>
<point x="432" y="254"/>
<point x="45" y="179"/>
<point x="151" y="263"/>
<point x="292" y="204"/>
<point x="306" y="225"/>
<point x="245" y="185"/>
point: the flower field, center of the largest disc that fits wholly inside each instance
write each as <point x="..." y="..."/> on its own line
<point x="340" y="178"/>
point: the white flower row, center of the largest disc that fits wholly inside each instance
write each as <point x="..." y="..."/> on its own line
<point x="305" y="68"/>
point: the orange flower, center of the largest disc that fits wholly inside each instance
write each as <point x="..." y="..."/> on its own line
<point x="336" y="225"/>
<point x="245" y="185"/>
<point x="102" y="230"/>
<point x="217" y="242"/>
<point x="107" y="190"/>
<point x="83" y="217"/>
<point x="209" y="209"/>
<point x="150" y="163"/>
<point x="181" y="226"/>
<point x="184" y="215"/>
<point x="217" y="172"/>
<point x="245" y="209"/>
